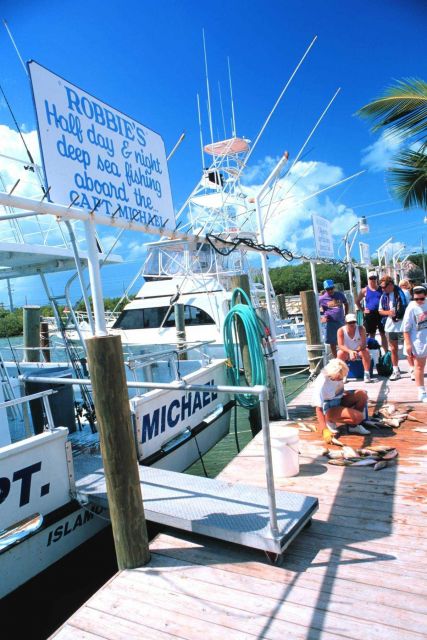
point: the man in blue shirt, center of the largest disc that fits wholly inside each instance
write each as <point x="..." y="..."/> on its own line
<point x="333" y="308"/>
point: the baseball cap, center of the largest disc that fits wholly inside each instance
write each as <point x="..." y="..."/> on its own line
<point x="372" y="274"/>
<point x="351" y="317"/>
<point x="328" y="284"/>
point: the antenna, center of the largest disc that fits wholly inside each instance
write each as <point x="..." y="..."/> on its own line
<point x="222" y="110"/>
<point x="200" y="131"/>
<point x="277" y="102"/>
<point x="233" y="119"/>
<point x="16" y="48"/>
<point x="207" y="87"/>
<point x="178" y="143"/>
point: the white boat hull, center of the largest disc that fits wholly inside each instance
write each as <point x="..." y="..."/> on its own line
<point x="26" y="559"/>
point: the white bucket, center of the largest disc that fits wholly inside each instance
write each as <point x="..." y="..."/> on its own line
<point x="285" y="453"/>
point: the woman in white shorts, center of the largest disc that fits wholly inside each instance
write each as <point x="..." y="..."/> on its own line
<point x="414" y="328"/>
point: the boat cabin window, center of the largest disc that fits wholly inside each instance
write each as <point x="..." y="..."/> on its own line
<point x="153" y="317"/>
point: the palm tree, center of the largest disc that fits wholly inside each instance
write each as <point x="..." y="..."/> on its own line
<point x="402" y="111"/>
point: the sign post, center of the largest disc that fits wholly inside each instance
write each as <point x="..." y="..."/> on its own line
<point x="324" y="246"/>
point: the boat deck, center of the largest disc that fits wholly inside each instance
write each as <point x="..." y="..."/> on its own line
<point x="358" y="572"/>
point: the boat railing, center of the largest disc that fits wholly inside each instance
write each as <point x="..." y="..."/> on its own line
<point x="19" y="351"/>
<point x="172" y="355"/>
<point x="16" y="405"/>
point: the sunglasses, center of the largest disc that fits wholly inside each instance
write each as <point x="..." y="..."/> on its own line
<point x="372" y="277"/>
<point x="420" y="299"/>
<point x="351" y="321"/>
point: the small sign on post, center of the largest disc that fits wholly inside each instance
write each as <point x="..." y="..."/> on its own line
<point x="99" y="158"/>
<point x="323" y="240"/>
<point x="365" y="254"/>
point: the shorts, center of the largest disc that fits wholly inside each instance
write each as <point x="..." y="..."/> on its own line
<point x="396" y="336"/>
<point x="330" y="404"/>
<point x="332" y="327"/>
<point x="373" y="322"/>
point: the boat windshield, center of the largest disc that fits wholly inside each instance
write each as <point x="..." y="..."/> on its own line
<point x="153" y="317"/>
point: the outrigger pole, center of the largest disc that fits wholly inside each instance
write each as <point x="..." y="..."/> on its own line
<point x="278" y="382"/>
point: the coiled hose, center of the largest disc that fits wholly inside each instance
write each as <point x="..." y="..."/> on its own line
<point x="255" y="332"/>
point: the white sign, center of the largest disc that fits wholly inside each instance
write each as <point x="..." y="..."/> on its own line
<point x="323" y="237"/>
<point x="100" y="156"/>
<point x="365" y="254"/>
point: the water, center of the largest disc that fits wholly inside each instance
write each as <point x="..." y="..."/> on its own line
<point x="38" y="608"/>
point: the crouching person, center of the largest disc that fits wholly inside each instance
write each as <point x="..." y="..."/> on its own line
<point x="333" y="404"/>
<point x="352" y="344"/>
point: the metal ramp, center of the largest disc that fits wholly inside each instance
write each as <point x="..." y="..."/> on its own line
<point x="236" y="513"/>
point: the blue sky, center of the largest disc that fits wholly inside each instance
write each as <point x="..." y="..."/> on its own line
<point x="146" y="59"/>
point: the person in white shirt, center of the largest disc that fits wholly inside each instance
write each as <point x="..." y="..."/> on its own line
<point x="392" y="305"/>
<point x="414" y="328"/>
<point x="352" y="344"/>
<point x="333" y="404"/>
<point x="407" y="287"/>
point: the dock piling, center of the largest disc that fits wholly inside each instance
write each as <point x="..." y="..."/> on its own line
<point x="105" y="358"/>
<point x="315" y="346"/>
<point x="31" y="321"/>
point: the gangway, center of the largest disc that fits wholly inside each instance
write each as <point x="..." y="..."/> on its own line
<point x="237" y="513"/>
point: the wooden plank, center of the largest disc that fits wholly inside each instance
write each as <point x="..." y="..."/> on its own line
<point x="234" y="559"/>
<point x="113" y="627"/>
<point x="297" y="592"/>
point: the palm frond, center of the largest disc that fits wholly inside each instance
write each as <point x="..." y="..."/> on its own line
<point x="402" y="109"/>
<point x="408" y="179"/>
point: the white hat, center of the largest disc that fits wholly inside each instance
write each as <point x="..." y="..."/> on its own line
<point x="351" y="317"/>
<point x="372" y="274"/>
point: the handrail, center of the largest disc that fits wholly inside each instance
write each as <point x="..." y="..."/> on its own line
<point x="43" y="395"/>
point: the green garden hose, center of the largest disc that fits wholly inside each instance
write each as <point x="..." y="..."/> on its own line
<point x="255" y="332"/>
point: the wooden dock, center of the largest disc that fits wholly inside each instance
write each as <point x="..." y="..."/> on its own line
<point x="358" y="572"/>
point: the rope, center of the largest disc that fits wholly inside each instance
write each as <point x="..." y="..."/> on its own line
<point x="255" y="332"/>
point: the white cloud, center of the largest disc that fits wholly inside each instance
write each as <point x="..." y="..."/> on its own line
<point x="14" y="159"/>
<point x="288" y="213"/>
<point x="377" y="156"/>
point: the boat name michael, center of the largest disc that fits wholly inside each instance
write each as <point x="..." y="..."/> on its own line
<point x="179" y="409"/>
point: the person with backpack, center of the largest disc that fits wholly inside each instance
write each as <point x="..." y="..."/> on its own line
<point x="392" y="307"/>
<point x="414" y="328"/>
<point x="370" y="297"/>
<point x="333" y="307"/>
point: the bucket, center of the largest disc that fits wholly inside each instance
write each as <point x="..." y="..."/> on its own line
<point x="285" y="453"/>
<point x="355" y="369"/>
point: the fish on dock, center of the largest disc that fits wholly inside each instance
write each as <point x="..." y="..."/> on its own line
<point x="380" y="465"/>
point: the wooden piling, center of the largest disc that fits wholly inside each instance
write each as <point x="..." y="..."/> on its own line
<point x="281" y="306"/>
<point x="312" y="329"/>
<point x="180" y="330"/>
<point x="44" y="341"/>
<point x="31" y="320"/>
<point x="105" y="359"/>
